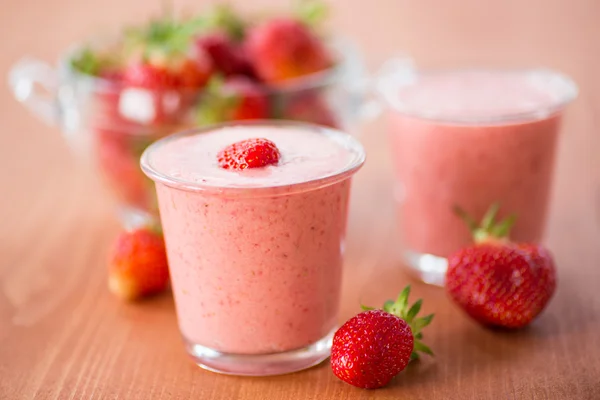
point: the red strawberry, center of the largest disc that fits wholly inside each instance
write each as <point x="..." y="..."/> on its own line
<point x="161" y="75"/>
<point x="157" y="95"/>
<point x="184" y="73"/>
<point x="193" y="73"/>
<point x="498" y="282"/>
<point x="249" y="153"/>
<point x="145" y="89"/>
<point x="238" y="98"/>
<point x="228" y="57"/>
<point x="374" y="346"/>
<point x="284" y="48"/>
<point x="148" y="76"/>
<point x="309" y="107"/>
<point x="138" y="265"/>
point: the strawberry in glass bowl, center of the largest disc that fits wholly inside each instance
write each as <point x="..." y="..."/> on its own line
<point x="112" y="97"/>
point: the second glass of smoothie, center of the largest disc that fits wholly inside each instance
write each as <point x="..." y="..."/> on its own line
<point x="469" y="139"/>
<point x="255" y="255"/>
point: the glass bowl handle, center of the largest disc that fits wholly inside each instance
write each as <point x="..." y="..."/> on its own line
<point x="34" y="83"/>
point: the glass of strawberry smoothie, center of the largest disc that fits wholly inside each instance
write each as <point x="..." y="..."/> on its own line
<point x="468" y="139"/>
<point x="255" y="255"/>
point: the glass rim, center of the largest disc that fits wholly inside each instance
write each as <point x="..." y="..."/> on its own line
<point x="347" y="140"/>
<point x="564" y="88"/>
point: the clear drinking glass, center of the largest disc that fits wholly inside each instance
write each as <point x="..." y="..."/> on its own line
<point x="110" y="125"/>
<point x="469" y="138"/>
<point x="255" y="270"/>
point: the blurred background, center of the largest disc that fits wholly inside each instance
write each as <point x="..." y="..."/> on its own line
<point x="553" y="33"/>
<point x="38" y="173"/>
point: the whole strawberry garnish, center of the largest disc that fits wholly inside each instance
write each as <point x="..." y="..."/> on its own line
<point x="285" y="48"/>
<point x="236" y="99"/>
<point x="498" y="282"/>
<point x="249" y="153"/>
<point x="374" y="346"/>
<point x="138" y="264"/>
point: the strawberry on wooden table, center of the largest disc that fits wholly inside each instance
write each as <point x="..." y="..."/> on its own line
<point x="376" y="345"/>
<point x="498" y="282"/>
<point x="138" y="264"/>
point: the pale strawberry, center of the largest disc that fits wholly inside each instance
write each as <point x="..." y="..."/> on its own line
<point x="138" y="264"/>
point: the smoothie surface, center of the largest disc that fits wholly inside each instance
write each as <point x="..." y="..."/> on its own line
<point x="473" y="96"/>
<point x="307" y="154"/>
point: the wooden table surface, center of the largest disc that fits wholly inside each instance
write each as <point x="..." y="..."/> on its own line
<point x="63" y="336"/>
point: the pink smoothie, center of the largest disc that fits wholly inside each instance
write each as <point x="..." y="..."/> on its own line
<point x="256" y="256"/>
<point x="470" y="139"/>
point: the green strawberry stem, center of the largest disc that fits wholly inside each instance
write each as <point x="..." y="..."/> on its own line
<point x="311" y="12"/>
<point x="217" y="103"/>
<point x="401" y="309"/>
<point x="169" y="37"/>
<point x="224" y="17"/>
<point x="488" y="229"/>
<point x="155" y="227"/>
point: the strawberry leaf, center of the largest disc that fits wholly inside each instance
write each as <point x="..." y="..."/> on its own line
<point x="163" y="38"/>
<point x="422" y="348"/>
<point x="156" y="228"/>
<point x="488" y="219"/>
<point x="387" y="306"/>
<point x="402" y="301"/>
<point x="462" y="214"/>
<point x="488" y="228"/>
<point x="413" y="311"/>
<point x="366" y="308"/>
<point x="503" y="228"/>
<point x="422" y="322"/>
<point x="86" y="62"/>
<point x="311" y="12"/>
<point x="223" y="17"/>
<point x="217" y="103"/>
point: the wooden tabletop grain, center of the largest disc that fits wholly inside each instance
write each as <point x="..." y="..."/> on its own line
<point x="63" y="336"/>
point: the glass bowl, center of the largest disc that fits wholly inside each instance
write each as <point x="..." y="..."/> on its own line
<point x="109" y="125"/>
